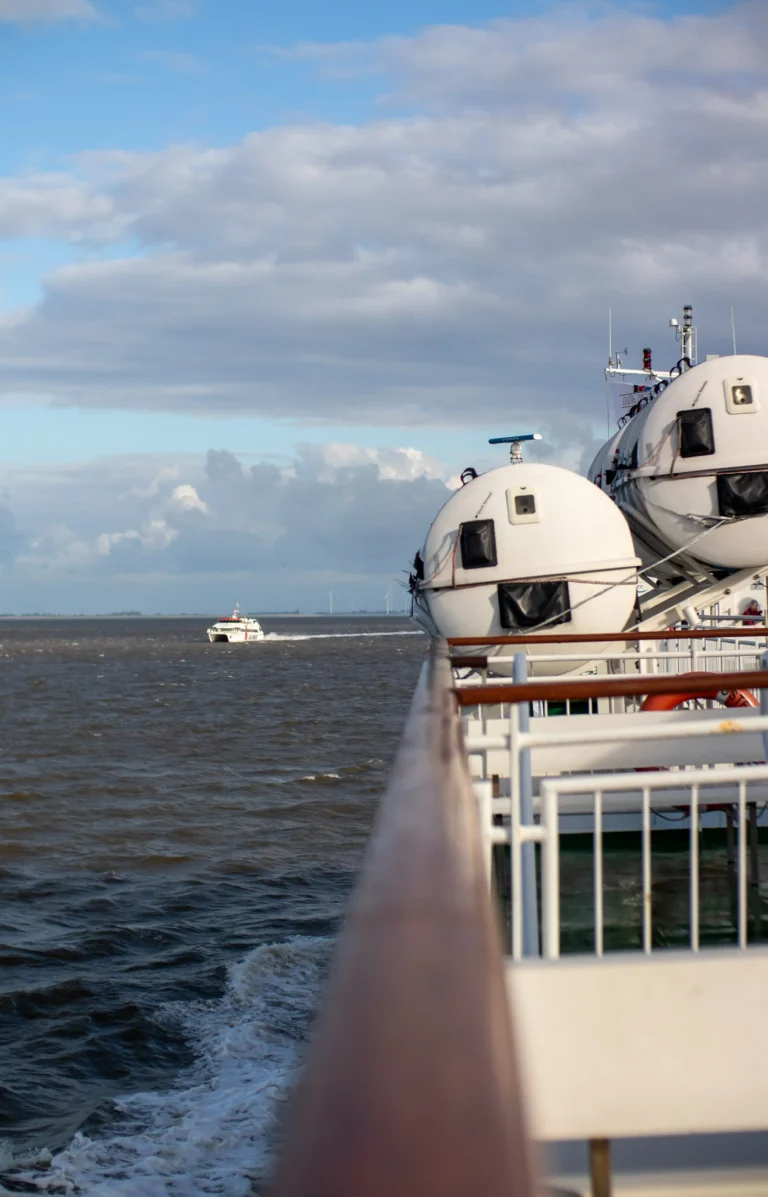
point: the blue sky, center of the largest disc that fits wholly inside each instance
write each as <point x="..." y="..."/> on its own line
<point x="202" y="68"/>
<point x="184" y="265"/>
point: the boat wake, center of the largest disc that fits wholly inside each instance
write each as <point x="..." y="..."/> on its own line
<point x="276" y="636"/>
<point x="213" y="1132"/>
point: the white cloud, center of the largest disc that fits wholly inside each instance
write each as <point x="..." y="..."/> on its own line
<point x="155" y="534"/>
<point x="161" y="479"/>
<point x="454" y="266"/>
<point x="56" y="205"/>
<point x="391" y="465"/>
<point x="188" y="499"/>
<point x="22" y="11"/>
<point x="571" y="53"/>
<point x="11" y="541"/>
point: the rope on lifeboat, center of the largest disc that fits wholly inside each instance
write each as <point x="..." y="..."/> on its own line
<point x="631" y="578"/>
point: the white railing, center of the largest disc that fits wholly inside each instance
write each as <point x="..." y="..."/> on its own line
<point x="611" y="1041"/>
<point x="608" y="743"/>
<point x="676" y="657"/>
<point x="587" y="752"/>
<point x="740" y="780"/>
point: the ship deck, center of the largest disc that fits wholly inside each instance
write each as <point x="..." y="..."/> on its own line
<point x="600" y="1038"/>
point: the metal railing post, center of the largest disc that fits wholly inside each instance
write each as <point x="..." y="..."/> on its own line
<point x="515" y="843"/>
<point x="763" y="702"/>
<point x="531" y="945"/>
<point x="550" y="880"/>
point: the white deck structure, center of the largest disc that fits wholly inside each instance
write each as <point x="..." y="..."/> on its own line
<point x="632" y="1045"/>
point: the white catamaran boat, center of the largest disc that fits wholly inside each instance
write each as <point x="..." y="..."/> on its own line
<point x="236" y="628"/>
<point x="604" y="1035"/>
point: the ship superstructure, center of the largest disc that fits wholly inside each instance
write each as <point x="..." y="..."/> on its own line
<point x="235" y="629"/>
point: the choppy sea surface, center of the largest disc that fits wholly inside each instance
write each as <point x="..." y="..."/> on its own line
<point x="180" y="828"/>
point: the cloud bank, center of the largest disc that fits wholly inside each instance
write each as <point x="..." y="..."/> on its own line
<point x="449" y="263"/>
<point x="337" y="515"/>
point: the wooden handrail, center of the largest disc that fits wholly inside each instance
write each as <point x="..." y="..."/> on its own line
<point x="608" y="637"/>
<point x="611" y="687"/>
<point x="412" y="1086"/>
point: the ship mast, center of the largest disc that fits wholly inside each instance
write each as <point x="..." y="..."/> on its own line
<point x="685" y="332"/>
<point x="687" y="335"/>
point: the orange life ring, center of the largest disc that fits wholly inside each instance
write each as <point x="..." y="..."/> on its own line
<point x="729" y="698"/>
<point x="668" y="702"/>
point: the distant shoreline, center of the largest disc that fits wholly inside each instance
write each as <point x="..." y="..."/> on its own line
<point x="9" y="618"/>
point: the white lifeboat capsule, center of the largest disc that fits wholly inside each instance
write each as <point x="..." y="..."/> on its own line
<point x="690" y="469"/>
<point x="527" y="549"/>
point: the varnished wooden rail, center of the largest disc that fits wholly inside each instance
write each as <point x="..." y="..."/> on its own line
<point x="612" y="687"/>
<point x="629" y="636"/>
<point x="412" y="1087"/>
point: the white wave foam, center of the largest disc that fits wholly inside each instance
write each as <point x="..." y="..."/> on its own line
<point x="275" y="637"/>
<point x="213" y="1131"/>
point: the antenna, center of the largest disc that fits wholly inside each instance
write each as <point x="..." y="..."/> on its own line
<point x="687" y="335"/>
<point x="610" y="338"/>
<point x="733" y="330"/>
<point x="514" y="442"/>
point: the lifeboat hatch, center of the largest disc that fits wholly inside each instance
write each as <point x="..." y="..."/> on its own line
<point x="743" y="495"/>
<point x="525" y="605"/>
<point x="697" y="438"/>
<point x="478" y="544"/>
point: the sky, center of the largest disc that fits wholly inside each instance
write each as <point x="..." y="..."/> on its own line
<point x="272" y="274"/>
